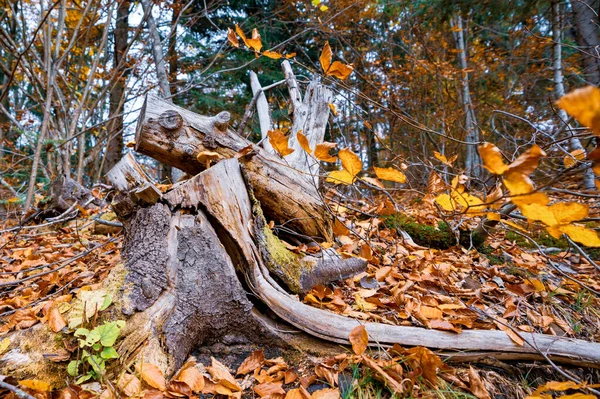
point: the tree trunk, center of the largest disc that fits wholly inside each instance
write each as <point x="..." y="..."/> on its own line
<point x="175" y="136"/>
<point x="114" y="147"/>
<point x="472" y="159"/>
<point x="559" y="89"/>
<point x="588" y="37"/>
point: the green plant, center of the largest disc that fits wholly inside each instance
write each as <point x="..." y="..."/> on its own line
<point x="96" y="349"/>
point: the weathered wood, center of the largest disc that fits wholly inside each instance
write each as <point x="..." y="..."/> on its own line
<point x="286" y="197"/>
<point x="262" y="109"/>
<point x="223" y="194"/>
<point x="127" y="175"/>
<point x="311" y="114"/>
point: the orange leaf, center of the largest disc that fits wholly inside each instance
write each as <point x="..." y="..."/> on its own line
<point x="350" y="161"/>
<point x="584" y="105"/>
<point x="35" y="385"/>
<point x="325" y="58"/>
<point x="303" y="142"/>
<point x="272" y="54"/>
<point x="290" y="55"/>
<point x="326" y="393"/>
<point x="268" y="388"/>
<point x="573" y="158"/>
<point x="279" y="142"/>
<point x="193" y="378"/>
<point x="232" y="38"/>
<point x="55" y="320"/>
<point x="340" y="71"/>
<point x="221" y="375"/>
<point x="255" y="42"/>
<point x="373" y="182"/>
<point x="492" y="158"/>
<point x="390" y="174"/>
<point x="359" y="339"/>
<point x="152" y="375"/>
<point x="241" y="34"/>
<point x="322" y="152"/>
<point x="129" y="384"/>
<point x="333" y="109"/>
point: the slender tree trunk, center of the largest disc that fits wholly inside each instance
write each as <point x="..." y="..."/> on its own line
<point x="166" y="171"/>
<point x="588" y="37"/>
<point x="472" y="159"/>
<point x="114" y="148"/>
<point x="559" y="88"/>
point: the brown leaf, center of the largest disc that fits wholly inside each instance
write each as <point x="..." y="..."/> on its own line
<point x="340" y="70"/>
<point x="359" y="339"/>
<point x="152" y="375"/>
<point x="129" y="384"/>
<point x="444" y="325"/>
<point x="395" y="386"/>
<point x="268" y="388"/>
<point x="325" y="58"/>
<point x="55" y="320"/>
<point x="221" y="375"/>
<point x="252" y="362"/>
<point x="476" y="385"/>
<point x="193" y="378"/>
<point x="255" y="42"/>
<point x="232" y="38"/>
<point x="290" y="376"/>
<point x="179" y="389"/>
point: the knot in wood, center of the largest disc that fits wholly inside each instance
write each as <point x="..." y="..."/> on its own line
<point x="221" y="120"/>
<point x="170" y="120"/>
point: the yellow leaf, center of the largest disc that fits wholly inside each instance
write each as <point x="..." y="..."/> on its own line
<point x="323" y="8"/>
<point x="517" y="183"/>
<point x="573" y="158"/>
<point x="272" y="54"/>
<point x="445" y="201"/>
<point x="468" y="202"/>
<point x="596" y="168"/>
<point x="152" y="375"/>
<point x="442" y="158"/>
<point x="36" y="385"/>
<point x="290" y="55"/>
<point x="350" y="161"/>
<point x="567" y="212"/>
<point x="303" y="142"/>
<point x="578" y="395"/>
<point x="559" y="386"/>
<point x="582" y="235"/>
<point x="390" y="174"/>
<point x="538" y="212"/>
<point x="279" y="142"/>
<point x="4" y="345"/>
<point x="533" y="198"/>
<point x="340" y="177"/>
<point x="359" y="339"/>
<point x="232" y="38"/>
<point x="333" y="109"/>
<point x="493" y="216"/>
<point x="492" y="159"/>
<point x="255" y="42"/>
<point x="340" y="70"/>
<point x="325" y="58"/>
<point x="584" y="105"/>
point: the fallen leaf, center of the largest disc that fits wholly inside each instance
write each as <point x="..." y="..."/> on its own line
<point x="359" y="339"/>
<point x="129" y="384"/>
<point x="152" y="375"/>
<point x="252" y="362"/>
<point x="390" y="174"/>
<point x="221" y="375"/>
<point x="476" y="385"/>
<point x="193" y="378"/>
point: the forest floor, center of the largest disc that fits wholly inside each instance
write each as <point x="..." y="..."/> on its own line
<point x="508" y="283"/>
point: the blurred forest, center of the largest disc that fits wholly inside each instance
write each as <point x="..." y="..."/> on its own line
<point x="429" y="76"/>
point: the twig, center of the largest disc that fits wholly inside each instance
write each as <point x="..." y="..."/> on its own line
<point x="21" y="394"/>
<point x="582" y="252"/>
<point x="250" y="106"/>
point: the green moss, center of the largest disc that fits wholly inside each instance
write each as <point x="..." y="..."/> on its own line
<point x="440" y="237"/>
<point x="492" y="257"/>
<point x="284" y="263"/>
